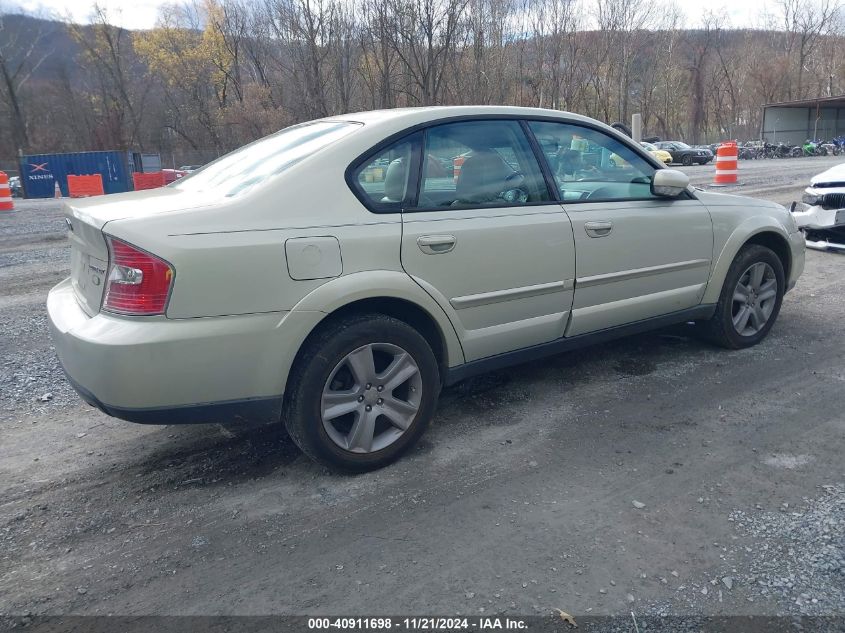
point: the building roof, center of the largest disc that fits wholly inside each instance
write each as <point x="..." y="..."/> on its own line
<point x="831" y="102"/>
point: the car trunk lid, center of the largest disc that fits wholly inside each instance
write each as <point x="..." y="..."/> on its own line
<point x="89" y="260"/>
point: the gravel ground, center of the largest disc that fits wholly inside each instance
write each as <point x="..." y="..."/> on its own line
<point x="654" y="475"/>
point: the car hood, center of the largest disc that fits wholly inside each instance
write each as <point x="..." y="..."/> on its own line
<point x="833" y="177"/>
<point x="98" y="211"/>
<point x="714" y="199"/>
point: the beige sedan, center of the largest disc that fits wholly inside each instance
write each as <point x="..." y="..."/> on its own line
<point x="335" y="275"/>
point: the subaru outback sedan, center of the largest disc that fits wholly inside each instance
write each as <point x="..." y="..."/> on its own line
<point x="336" y="275"/>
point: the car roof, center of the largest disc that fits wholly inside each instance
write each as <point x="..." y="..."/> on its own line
<point x="416" y="116"/>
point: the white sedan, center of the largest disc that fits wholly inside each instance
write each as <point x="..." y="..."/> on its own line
<point x="335" y="275"/>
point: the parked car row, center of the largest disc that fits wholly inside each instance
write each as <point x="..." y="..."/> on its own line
<point x="685" y="154"/>
<point x="750" y="150"/>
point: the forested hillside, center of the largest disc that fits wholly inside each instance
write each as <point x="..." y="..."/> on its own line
<point x="215" y="74"/>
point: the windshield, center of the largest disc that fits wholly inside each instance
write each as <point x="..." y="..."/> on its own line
<point x="253" y="164"/>
<point x="649" y="146"/>
<point x="680" y="145"/>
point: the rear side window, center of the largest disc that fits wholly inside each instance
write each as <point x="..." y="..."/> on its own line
<point x="479" y="164"/>
<point x="386" y="181"/>
<point x="254" y="164"/>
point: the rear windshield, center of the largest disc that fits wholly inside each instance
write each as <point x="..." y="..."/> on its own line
<point x="254" y="164"/>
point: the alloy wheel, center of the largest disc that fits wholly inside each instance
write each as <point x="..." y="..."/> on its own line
<point x="371" y="398"/>
<point x="754" y="299"/>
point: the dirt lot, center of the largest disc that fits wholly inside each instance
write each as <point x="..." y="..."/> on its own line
<point x="520" y="500"/>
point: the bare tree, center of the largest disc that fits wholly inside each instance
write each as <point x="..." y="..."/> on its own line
<point x="108" y="52"/>
<point x="21" y="55"/>
<point x="426" y="36"/>
<point x="806" y="21"/>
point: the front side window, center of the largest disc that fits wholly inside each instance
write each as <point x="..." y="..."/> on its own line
<point x="591" y="166"/>
<point x="386" y="180"/>
<point x="479" y="164"/>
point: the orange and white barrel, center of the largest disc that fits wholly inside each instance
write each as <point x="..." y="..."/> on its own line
<point x="727" y="164"/>
<point x="6" y="203"/>
<point x="457" y="163"/>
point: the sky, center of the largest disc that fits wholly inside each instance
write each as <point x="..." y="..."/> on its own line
<point x="141" y="14"/>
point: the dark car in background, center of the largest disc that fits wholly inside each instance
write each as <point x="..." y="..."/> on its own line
<point x="684" y="154"/>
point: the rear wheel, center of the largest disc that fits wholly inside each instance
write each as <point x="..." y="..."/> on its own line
<point x="750" y="300"/>
<point x="362" y="392"/>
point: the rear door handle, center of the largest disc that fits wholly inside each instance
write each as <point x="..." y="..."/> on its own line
<point x="436" y="244"/>
<point x="598" y="229"/>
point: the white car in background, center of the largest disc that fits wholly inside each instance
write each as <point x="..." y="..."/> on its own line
<point x="335" y="275"/>
<point x="821" y="213"/>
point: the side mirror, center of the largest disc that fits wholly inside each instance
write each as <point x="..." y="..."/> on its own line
<point x="669" y="183"/>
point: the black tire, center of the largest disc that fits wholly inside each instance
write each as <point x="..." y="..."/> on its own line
<point x="686" y="160"/>
<point x="319" y="357"/>
<point x="720" y="329"/>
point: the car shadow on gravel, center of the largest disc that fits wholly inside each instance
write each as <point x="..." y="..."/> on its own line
<point x="213" y="455"/>
<point x="208" y="455"/>
<point x="638" y="355"/>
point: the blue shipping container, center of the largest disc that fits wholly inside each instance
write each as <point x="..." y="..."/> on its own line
<point x="41" y="172"/>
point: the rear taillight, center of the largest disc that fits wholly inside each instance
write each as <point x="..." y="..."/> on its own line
<point x="138" y="283"/>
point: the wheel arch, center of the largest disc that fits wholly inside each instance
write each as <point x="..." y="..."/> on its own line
<point x="761" y="233"/>
<point x="401" y="309"/>
<point x="385" y="292"/>
<point x="776" y="243"/>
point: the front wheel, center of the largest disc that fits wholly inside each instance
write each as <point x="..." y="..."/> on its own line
<point x="686" y="160"/>
<point x="361" y="393"/>
<point x="750" y="300"/>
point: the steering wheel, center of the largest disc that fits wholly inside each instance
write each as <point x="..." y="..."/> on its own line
<point x="601" y="192"/>
<point x="513" y="191"/>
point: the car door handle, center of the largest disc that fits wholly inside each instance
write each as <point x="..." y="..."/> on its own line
<point x="436" y="244"/>
<point x="598" y="229"/>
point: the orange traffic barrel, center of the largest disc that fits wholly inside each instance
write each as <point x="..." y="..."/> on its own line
<point x="457" y="163"/>
<point x="727" y="166"/>
<point x="6" y="203"/>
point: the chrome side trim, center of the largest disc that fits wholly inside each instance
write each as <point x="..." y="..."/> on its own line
<point x="609" y="278"/>
<point x="497" y="296"/>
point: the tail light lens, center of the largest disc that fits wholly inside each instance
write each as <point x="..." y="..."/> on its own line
<point x="138" y="283"/>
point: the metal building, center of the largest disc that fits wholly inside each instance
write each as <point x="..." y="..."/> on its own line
<point x="793" y="122"/>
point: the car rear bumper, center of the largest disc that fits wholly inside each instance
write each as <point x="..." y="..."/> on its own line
<point x="249" y="409"/>
<point x="159" y="370"/>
